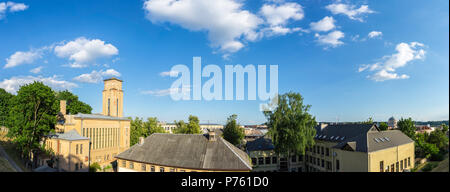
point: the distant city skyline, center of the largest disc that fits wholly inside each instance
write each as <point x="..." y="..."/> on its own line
<point x="349" y="59"/>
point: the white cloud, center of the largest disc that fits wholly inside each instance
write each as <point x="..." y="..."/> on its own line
<point x="96" y="76"/>
<point x="374" y="34"/>
<point x="385" y="70"/>
<point x="36" y="70"/>
<point x="11" y="7"/>
<point x="169" y="73"/>
<point x="83" y="51"/>
<point x="326" y="24"/>
<point x="225" y="21"/>
<point x="278" y="16"/>
<point x="20" y="58"/>
<point x="13" y="84"/>
<point x="332" y="39"/>
<point x="166" y="92"/>
<point x="350" y="10"/>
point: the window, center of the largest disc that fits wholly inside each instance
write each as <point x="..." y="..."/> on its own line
<point x="409" y="161"/>
<point x="76" y="166"/>
<point x="314" y="149"/>
<point x="381" y="166"/>
<point x="401" y="165"/>
<point x="392" y="168"/>
<point x="310" y="159"/>
<point x="260" y="161"/>
<point x="337" y="165"/>
<point x="143" y="167"/>
<point x="131" y="165"/>
<point x="117" y="109"/>
<point x="322" y="151"/>
<point x="254" y="161"/>
<point x="267" y="160"/>
<point x="327" y="152"/>
<point x="274" y="160"/>
<point x="323" y="163"/>
<point x="300" y="158"/>
<point x="294" y="159"/>
<point x="81" y="165"/>
<point x="124" y="164"/>
<point x="405" y="163"/>
<point x="161" y="169"/>
<point x="328" y="165"/>
<point x="81" y="148"/>
<point x="109" y="103"/>
<point x="396" y="167"/>
<point x="152" y="168"/>
<point x="306" y="158"/>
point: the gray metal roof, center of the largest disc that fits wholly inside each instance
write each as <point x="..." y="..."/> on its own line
<point x="361" y="137"/>
<point x="260" y="144"/>
<point x="99" y="116"/>
<point x="71" y="135"/>
<point x="193" y="151"/>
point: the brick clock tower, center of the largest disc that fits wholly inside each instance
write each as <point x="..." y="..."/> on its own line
<point x="113" y="98"/>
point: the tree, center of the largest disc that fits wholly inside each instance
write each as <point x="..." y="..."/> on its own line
<point x="32" y="115"/>
<point x="383" y="126"/>
<point x="5" y="99"/>
<point x="291" y="127"/>
<point x="438" y="138"/>
<point x="136" y="130"/>
<point x="232" y="132"/>
<point x="151" y="126"/>
<point x="193" y="126"/>
<point x="407" y="127"/>
<point x="369" y="121"/>
<point x="74" y="106"/>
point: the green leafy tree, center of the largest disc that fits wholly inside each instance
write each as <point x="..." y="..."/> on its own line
<point x="407" y="127"/>
<point x="151" y="126"/>
<point x="439" y="138"/>
<point x="383" y="126"/>
<point x="290" y="125"/>
<point x="369" y="121"/>
<point x="232" y="132"/>
<point x="192" y="127"/>
<point x="32" y="115"/>
<point x="5" y="99"/>
<point x="74" y="106"/>
<point x="136" y="130"/>
<point x="95" y="167"/>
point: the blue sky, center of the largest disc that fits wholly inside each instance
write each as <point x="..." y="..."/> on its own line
<point x="322" y="49"/>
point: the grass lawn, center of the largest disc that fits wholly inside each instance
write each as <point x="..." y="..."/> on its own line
<point x="12" y="152"/>
<point x="442" y="166"/>
<point x="5" y="166"/>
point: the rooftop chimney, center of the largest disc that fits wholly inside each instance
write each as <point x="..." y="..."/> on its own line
<point x="212" y="136"/>
<point x="141" y="140"/>
<point x="62" y="106"/>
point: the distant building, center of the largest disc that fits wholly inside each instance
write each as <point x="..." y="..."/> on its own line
<point x="424" y="129"/>
<point x="392" y="123"/>
<point x="170" y="127"/>
<point x="252" y="134"/>
<point x="264" y="158"/>
<point x="359" y="148"/>
<point x="162" y="152"/>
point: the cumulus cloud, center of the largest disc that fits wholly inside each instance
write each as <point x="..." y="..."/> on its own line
<point x="20" y="58"/>
<point x="374" y="34"/>
<point x="331" y="39"/>
<point x="83" y="51"/>
<point x="96" y="76"/>
<point x="350" y="10"/>
<point x="13" y="84"/>
<point x="36" y="70"/>
<point x="386" y="69"/>
<point x="11" y="7"/>
<point x="278" y="15"/>
<point x="225" y="21"/>
<point x="326" y="24"/>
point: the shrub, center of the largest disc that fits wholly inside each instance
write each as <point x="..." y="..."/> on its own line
<point x="94" y="167"/>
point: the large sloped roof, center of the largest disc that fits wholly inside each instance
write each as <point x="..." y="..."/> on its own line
<point x="260" y="144"/>
<point x="99" y="116"/>
<point x="193" y="151"/>
<point x="71" y="135"/>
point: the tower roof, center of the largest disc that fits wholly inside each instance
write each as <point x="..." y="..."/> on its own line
<point x="113" y="78"/>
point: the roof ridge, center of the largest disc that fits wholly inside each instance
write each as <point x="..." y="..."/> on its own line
<point x="226" y="144"/>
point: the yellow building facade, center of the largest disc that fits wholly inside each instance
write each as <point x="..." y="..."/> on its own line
<point x="107" y="134"/>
